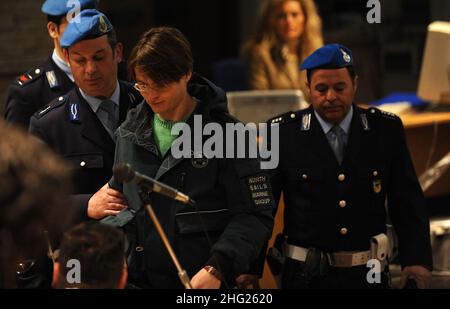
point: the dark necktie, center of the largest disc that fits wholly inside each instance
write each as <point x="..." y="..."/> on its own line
<point x="109" y="119"/>
<point x="337" y="142"/>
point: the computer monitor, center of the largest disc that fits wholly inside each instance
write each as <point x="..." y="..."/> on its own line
<point x="434" y="82"/>
<point x="258" y="106"/>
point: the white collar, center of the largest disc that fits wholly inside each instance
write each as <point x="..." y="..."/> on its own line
<point x="62" y="65"/>
<point x="345" y="123"/>
<point x="94" y="102"/>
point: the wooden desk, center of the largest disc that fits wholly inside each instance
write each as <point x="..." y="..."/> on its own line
<point x="411" y="120"/>
<point x="428" y="138"/>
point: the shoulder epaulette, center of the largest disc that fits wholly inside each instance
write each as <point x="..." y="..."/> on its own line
<point x="285" y="118"/>
<point x="29" y="76"/>
<point x="52" y="105"/>
<point x="379" y="112"/>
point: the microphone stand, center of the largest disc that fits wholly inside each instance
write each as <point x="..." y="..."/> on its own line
<point x="182" y="274"/>
<point x="50" y="252"/>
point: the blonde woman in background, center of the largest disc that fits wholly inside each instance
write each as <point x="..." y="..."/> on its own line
<point x="289" y="31"/>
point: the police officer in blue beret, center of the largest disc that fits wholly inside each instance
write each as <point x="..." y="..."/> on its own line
<point x="339" y="164"/>
<point x="80" y="124"/>
<point x="52" y="78"/>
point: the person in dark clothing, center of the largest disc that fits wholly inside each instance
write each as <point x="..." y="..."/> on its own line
<point x="80" y="125"/>
<point x="38" y="86"/>
<point x="218" y="238"/>
<point x="98" y="251"/>
<point x="35" y="184"/>
<point x="339" y="164"/>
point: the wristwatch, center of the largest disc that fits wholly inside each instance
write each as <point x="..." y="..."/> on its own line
<point x="213" y="271"/>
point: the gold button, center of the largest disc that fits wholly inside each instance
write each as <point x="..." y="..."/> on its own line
<point x="342" y="204"/>
<point x="375" y="173"/>
<point x="341" y="177"/>
<point x="82" y="163"/>
<point x="304" y="176"/>
<point x="37" y="71"/>
<point x="344" y="231"/>
<point x="139" y="249"/>
<point x="372" y="111"/>
<point x="292" y="116"/>
<point x="60" y="98"/>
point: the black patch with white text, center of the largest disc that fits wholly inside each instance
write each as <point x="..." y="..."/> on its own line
<point x="260" y="191"/>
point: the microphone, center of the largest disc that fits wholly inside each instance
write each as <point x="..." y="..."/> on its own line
<point x="124" y="173"/>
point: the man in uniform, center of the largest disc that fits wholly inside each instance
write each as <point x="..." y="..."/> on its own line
<point x="338" y="165"/>
<point x="80" y="125"/>
<point x="52" y="78"/>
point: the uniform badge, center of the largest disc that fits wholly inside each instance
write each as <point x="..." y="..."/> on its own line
<point x="376" y="186"/>
<point x="52" y="80"/>
<point x="306" y="122"/>
<point x="102" y="27"/>
<point x="74" y="112"/>
<point x="364" y="122"/>
<point x="199" y="161"/>
<point x="23" y="79"/>
<point x="44" y="110"/>
<point x="346" y="56"/>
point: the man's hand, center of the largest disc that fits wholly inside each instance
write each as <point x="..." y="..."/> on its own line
<point x="205" y="280"/>
<point x="417" y="272"/>
<point x="105" y="202"/>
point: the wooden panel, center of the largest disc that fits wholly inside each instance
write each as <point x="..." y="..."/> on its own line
<point x="428" y="138"/>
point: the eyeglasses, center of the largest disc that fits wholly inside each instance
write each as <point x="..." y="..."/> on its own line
<point x="145" y="88"/>
<point x="140" y="87"/>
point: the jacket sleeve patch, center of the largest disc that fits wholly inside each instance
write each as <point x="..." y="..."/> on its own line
<point x="260" y="192"/>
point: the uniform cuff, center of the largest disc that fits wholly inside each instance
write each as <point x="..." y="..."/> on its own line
<point x="223" y="264"/>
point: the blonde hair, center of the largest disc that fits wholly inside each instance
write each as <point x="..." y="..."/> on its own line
<point x="310" y="39"/>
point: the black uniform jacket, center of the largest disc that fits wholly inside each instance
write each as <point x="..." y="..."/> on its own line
<point x="340" y="207"/>
<point x="33" y="90"/>
<point x="234" y="202"/>
<point x="70" y="127"/>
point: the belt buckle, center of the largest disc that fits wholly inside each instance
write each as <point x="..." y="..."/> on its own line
<point x="360" y="258"/>
<point x="342" y="259"/>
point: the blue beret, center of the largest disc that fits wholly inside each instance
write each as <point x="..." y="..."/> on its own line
<point x="61" y="7"/>
<point x="330" y="56"/>
<point x="91" y="24"/>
